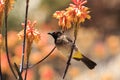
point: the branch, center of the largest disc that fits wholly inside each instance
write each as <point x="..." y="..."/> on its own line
<point x="26" y="69"/>
<point x="1" y="77"/>
<point x="72" y="48"/>
<point x="23" y="50"/>
<point x="0" y="70"/>
<point x="6" y="44"/>
<point x="18" y="72"/>
<point x="29" y="44"/>
<point x="42" y="59"/>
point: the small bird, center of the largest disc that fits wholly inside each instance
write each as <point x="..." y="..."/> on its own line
<point x="64" y="44"/>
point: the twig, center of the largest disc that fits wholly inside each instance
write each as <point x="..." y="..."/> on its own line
<point x="23" y="49"/>
<point x="18" y="72"/>
<point x="0" y="70"/>
<point x="1" y="77"/>
<point x="42" y="59"/>
<point x="72" y="48"/>
<point x="24" y="40"/>
<point x="26" y="69"/>
<point x="29" y="44"/>
<point x="6" y="44"/>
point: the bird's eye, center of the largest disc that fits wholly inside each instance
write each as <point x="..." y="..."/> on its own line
<point x="59" y="34"/>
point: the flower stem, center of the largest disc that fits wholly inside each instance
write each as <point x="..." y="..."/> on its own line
<point x="18" y="72"/>
<point x="6" y="44"/>
<point x="0" y="71"/>
<point x="72" y="48"/>
<point x="23" y="49"/>
<point x="29" y="45"/>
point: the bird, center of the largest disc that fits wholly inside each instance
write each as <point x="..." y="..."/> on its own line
<point x="64" y="44"/>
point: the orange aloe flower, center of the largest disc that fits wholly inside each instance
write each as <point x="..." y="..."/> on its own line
<point x="1" y="6"/>
<point x="78" y="14"/>
<point x="1" y="11"/>
<point x="10" y="5"/>
<point x="79" y="11"/>
<point x="64" y="21"/>
<point x="31" y="33"/>
<point x="75" y="13"/>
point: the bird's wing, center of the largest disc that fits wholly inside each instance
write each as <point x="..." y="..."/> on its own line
<point x="70" y="40"/>
<point x="62" y="40"/>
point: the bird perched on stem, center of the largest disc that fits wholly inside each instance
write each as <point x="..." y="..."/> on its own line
<point x="64" y="44"/>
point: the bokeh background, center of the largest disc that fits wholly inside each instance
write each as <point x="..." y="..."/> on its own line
<point x="98" y="39"/>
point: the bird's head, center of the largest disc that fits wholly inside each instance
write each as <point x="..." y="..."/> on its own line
<point x="56" y="34"/>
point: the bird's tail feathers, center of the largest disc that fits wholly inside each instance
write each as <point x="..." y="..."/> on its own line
<point x="89" y="63"/>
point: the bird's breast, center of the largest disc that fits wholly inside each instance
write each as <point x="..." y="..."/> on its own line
<point x="64" y="48"/>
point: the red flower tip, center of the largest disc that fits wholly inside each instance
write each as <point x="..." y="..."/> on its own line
<point x="79" y="2"/>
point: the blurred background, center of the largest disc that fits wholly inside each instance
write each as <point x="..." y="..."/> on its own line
<point x="98" y="39"/>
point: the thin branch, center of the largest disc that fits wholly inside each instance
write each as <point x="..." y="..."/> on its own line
<point x="26" y="69"/>
<point x="18" y="72"/>
<point x="23" y="49"/>
<point x="1" y="77"/>
<point x="72" y="49"/>
<point x="69" y="59"/>
<point x="0" y="70"/>
<point x="29" y="44"/>
<point x="0" y="60"/>
<point x="42" y="59"/>
<point x="6" y="44"/>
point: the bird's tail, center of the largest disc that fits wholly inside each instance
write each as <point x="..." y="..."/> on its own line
<point x="89" y="63"/>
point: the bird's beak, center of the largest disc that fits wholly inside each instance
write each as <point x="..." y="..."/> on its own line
<point x="50" y="33"/>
